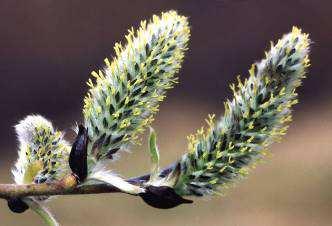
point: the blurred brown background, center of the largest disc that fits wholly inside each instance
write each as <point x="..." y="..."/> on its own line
<point x="48" y="48"/>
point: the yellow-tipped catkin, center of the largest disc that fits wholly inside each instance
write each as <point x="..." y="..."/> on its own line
<point x="257" y="116"/>
<point x="43" y="153"/>
<point x="126" y="94"/>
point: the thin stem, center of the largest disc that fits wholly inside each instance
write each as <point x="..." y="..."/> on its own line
<point x="68" y="186"/>
<point x="42" y="211"/>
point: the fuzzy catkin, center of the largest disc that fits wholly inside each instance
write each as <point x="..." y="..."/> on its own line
<point x="43" y="153"/>
<point x="256" y="116"/>
<point x="122" y="102"/>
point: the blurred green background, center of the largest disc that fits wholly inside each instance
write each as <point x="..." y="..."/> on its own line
<point x="48" y="48"/>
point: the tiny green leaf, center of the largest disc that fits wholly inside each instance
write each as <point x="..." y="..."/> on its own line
<point x="154" y="154"/>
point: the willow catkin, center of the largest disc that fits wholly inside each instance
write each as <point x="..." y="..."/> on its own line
<point x="257" y="115"/>
<point x="43" y="153"/>
<point x="126" y="94"/>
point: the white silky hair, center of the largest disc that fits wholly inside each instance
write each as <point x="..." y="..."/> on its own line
<point x="101" y="173"/>
<point x="26" y="127"/>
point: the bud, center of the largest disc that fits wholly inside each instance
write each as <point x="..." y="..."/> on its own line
<point x="43" y="153"/>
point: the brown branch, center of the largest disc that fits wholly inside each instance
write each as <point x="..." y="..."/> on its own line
<point x="67" y="186"/>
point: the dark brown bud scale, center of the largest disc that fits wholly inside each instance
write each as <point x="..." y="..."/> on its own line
<point x="78" y="155"/>
<point x="162" y="197"/>
<point x="17" y="205"/>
